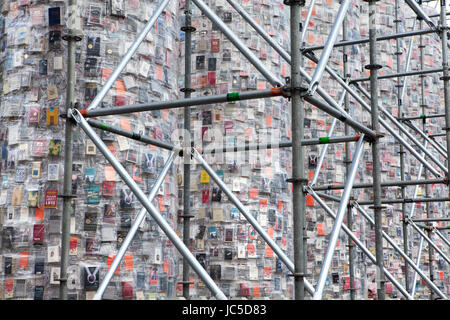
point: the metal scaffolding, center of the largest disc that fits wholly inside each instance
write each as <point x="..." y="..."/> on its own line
<point x="299" y="88"/>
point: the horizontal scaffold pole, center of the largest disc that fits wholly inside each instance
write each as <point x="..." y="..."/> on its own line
<point x="413" y="200"/>
<point x="440" y="134"/>
<point x="132" y="135"/>
<point x="395" y="183"/>
<point x="287" y="144"/>
<point x="341" y="116"/>
<point x="431" y="219"/>
<point x="423" y="116"/>
<point x="401" y="74"/>
<point x="197" y="101"/>
<point x="388" y="201"/>
<point x="366" y="40"/>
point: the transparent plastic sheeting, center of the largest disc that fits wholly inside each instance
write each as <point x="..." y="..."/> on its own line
<point x="32" y="142"/>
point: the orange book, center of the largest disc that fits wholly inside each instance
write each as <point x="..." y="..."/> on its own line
<point x="320" y="229"/>
<point x="23" y="260"/>
<point x="128" y="259"/>
<point x="109" y="261"/>
<point x="309" y="200"/>
<point x="39" y="214"/>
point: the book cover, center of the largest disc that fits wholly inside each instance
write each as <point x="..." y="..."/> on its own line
<point x="51" y="198"/>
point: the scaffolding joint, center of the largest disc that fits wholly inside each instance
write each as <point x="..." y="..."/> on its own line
<point x="72" y="38"/>
<point x="297" y="180"/>
<point x="67" y="196"/>
<point x="188" y="29"/>
<point x="377" y="207"/>
<point x="287" y="89"/>
<point x="300" y="3"/>
<point x="373" y="66"/>
<point x="190" y="90"/>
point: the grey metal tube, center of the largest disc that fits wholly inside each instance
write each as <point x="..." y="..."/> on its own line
<point x="318" y="72"/>
<point x="132" y="135"/>
<point x="171" y="234"/>
<point x="401" y="74"/>
<point x="376" y="173"/>
<point x="127" y="57"/>
<point x="359" y="243"/>
<point x="323" y="152"/>
<point x="437" y="134"/>
<point x="424" y="135"/>
<point x="338" y="221"/>
<point x="307" y="19"/>
<point x="410" y="136"/>
<point x="424" y="116"/>
<point x="287" y="57"/>
<point x="283" y="257"/>
<point x="247" y="147"/>
<point x="298" y="155"/>
<point x="407" y="63"/>
<point x="445" y="79"/>
<point x="383" y="122"/>
<point x="287" y="144"/>
<point x="132" y="232"/>
<point x="350" y="245"/>
<point x="366" y="40"/>
<point x="227" y="97"/>
<point x="441" y="236"/>
<point x="414" y="279"/>
<point x="237" y="42"/>
<point x="400" y="251"/>
<point x="428" y="240"/>
<point x="406" y="200"/>
<point x="341" y="116"/>
<point x="400" y="93"/>
<point x="68" y="157"/>
<point x="394" y="183"/>
<point x="420" y="13"/>
<point x="187" y="157"/>
<point x="431" y="219"/>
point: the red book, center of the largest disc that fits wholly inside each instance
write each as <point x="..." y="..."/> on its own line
<point x="244" y="289"/>
<point x="212" y="78"/>
<point x="127" y="290"/>
<point x="51" y="198"/>
<point x="205" y="196"/>
<point x="108" y="188"/>
<point x="119" y="100"/>
<point x="215" y="45"/>
<point x="38" y="233"/>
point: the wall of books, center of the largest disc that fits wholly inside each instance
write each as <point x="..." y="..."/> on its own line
<point x="32" y="139"/>
<point x="33" y="86"/>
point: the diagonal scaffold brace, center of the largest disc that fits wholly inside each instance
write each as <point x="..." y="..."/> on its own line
<point x="338" y="221"/>
<point x="278" y="251"/>
<point x="151" y="209"/>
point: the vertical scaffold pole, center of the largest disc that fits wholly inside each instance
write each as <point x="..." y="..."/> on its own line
<point x="351" y="246"/>
<point x="445" y="78"/>
<point x="373" y="67"/>
<point x="298" y="179"/>
<point x="423" y="106"/>
<point x="188" y="29"/>
<point x="71" y="38"/>
<point x="400" y="88"/>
